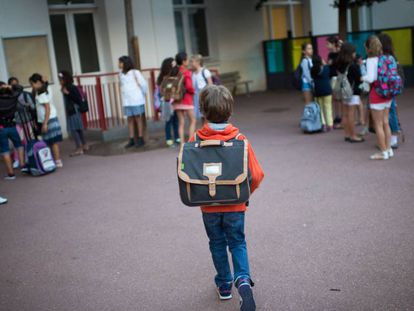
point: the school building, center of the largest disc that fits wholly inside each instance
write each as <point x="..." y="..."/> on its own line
<point x="87" y="37"/>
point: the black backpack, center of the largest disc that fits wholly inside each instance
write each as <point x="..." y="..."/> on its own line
<point x="214" y="172"/>
<point x="8" y="108"/>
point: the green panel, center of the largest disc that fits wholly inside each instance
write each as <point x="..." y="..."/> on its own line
<point x="403" y="47"/>
<point x="296" y="50"/>
<point x="358" y="39"/>
<point x="274" y="53"/>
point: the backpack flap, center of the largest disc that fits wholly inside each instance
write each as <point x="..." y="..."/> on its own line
<point x="214" y="172"/>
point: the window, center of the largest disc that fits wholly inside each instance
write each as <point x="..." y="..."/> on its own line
<point x="75" y="41"/>
<point x="191" y="26"/>
<point x="69" y="2"/>
<point x="26" y="55"/>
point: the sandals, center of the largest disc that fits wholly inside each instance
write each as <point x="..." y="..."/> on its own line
<point x="356" y="140"/>
<point x="76" y="153"/>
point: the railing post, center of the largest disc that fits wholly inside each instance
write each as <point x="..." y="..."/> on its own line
<point x="99" y="100"/>
<point x="153" y="83"/>
<point x="84" y="117"/>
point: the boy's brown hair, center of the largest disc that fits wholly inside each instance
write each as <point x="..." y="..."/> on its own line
<point x="216" y="103"/>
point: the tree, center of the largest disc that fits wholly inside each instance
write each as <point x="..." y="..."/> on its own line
<point x="343" y="6"/>
<point x="132" y="40"/>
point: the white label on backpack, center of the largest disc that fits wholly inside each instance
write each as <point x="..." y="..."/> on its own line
<point x="46" y="159"/>
<point x="212" y="170"/>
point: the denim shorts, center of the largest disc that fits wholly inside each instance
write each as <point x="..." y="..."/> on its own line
<point x="6" y="134"/>
<point x="132" y="111"/>
<point x="306" y="87"/>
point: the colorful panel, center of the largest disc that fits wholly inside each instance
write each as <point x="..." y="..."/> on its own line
<point x="358" y="39"/>
<point x="274" y="52"/>
<point x="322" y="47"/>
<point x="402" y="41"/>
<point x="296" y="50"/>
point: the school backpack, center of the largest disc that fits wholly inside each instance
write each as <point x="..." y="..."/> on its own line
<point x="342" y="89"/>
<point x="8" y="107"/>
<point x="214" y="172"/>
<point x="83" y="105"/>
<point x="39" y="156"/>
<point x="297" y="80"/>
<point x="389" y="83"/>
<point x="311" y="118"/>
<point x="172" y="88"/>
<point x="216" y="80"/>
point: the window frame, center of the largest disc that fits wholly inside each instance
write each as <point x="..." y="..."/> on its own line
<point x="183" y="8"/>
<point x="69" y="11"/>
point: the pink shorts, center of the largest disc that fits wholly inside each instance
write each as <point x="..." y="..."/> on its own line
<point x="183" y="107"/>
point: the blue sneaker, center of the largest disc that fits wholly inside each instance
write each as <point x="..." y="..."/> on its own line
<point x="247" y="302"/>
<point x="224" y="291"/>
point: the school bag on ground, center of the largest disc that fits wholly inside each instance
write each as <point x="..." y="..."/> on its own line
<point x="214" y="172"/>
<point x="172" y="88"/>
<point x="311" y="118"/>
<point x="389" y="83"/>
<point x="343" y="89"/>
<point x="39" y="158"/>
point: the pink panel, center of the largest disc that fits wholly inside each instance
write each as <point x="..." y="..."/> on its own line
<point x="322" y="49"/>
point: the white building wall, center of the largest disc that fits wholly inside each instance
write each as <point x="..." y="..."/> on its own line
<point x="324" y="17"/>
<point x="154" y="26"/>
<point x="393" y="14"/>
<point x="23" y="18"/>
<point x="236" y="31"/>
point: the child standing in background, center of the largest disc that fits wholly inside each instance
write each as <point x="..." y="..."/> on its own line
<point x="323" y="91"/>
<point x="168" y="115"/>
<point x="306" y="65"/>
<point x="134" y="89"/>
<point x="201" y="78"/>
<point x="47" y="116"/>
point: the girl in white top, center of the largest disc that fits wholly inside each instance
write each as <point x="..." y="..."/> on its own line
<point x="201" y="78"/>
<point x="47" y="116"/>
<point x="134" y="89"/>
<point x="380" y="106"/>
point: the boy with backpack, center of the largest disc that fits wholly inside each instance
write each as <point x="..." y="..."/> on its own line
<point x="224" y="224"/>
<point x="8" y="107"/>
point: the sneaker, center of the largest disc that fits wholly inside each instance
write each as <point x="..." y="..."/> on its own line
<point x="10" y="177"/>
<point x="395" y="146"/>
<point x="3" y="200"/>
<point x="224" y="291"/>
<point x="140" y="142"/>
<point x="390" y="153"/>
<point x="16" y="164"/>
<point x="130" y="144"/>
<point x="178" y="141"/>
<point x="364" y="131"/>
<point x="25" y="170"/>
<point x="169" y="142"/>
<point x="247" y="302"/>
<point x="380" y="156"/>
<point x="59" y="163"/>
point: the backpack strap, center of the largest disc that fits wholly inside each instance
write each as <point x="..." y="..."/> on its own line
<point x="204" y="75"/>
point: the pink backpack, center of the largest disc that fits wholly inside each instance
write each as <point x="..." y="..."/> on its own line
<point x="389" y="83"/>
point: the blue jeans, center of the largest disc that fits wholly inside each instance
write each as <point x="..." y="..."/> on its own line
<point x="393" y="117"/>
<point x="173" y="122"/>
<point x="7" y="133"/>
<point x="227" y="230"/>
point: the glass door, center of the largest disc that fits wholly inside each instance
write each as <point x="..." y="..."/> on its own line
<point x="74" y="40"/>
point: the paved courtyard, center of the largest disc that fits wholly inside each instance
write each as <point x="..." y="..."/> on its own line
<point x="328" y="230"/>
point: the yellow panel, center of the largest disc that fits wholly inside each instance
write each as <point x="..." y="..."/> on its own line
<point x="297" y="15"/>
<point x="280" y="22"/>
<point x="296" y="46"/>
<point x="26" y="55"/>
<point x="402" y="41"/>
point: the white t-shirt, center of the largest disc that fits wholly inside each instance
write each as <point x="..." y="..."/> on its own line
<point x="372" y="70"/>
<point x="132" y="94"/>
<point x="199" y="81"/>
<point x="41" y="101"/>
